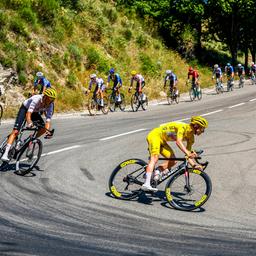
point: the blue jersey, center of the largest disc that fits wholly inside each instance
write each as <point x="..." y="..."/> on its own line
<point x="171" y="77"/>
<point x="43" y="82"/>
<point x="117" y="80"/>
<point x="229" y="70"/>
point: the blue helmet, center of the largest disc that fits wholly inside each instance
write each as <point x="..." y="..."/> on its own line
<point x="228" y="64"/>
<point x="112" y="71"/>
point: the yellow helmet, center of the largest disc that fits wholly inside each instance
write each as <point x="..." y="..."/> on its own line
<point x="51" y="93"/>
<point x="134" y="72"/>
<point x="199" y="120"/>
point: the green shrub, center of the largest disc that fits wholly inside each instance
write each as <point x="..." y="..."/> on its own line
<point x="22" y="77"/>
<point x="110" y="13"/>
<point x="141" y="40"/>
<point x="75" y="52"/>
<point x="57" y="62"/>
<point x="21" y="61"/>
<point x="96" y="61"/>
<point x="47" y="10"/>
<point x="120" y="42"/>
<point x="58" y="33"/>
<point x="3" y="19"/>
<point x="68" y="23"/>
<point x="18" y="26"/>
<point x="71" y="80"/>
<point x="27" y="14"/>
<point x="147" y="65"/>
<point x="127" y="33"/>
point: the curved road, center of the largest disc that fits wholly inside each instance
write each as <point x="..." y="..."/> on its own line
<point x="65" y="208"/>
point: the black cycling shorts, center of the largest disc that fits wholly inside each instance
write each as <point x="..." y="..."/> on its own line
<point x="21" y="118"/>
<point x="138" y="85"/>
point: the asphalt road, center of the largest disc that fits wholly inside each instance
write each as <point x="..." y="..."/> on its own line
<point x="65" y="208"/>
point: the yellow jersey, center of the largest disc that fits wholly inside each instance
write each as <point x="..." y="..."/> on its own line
<point x="177" y="130"/>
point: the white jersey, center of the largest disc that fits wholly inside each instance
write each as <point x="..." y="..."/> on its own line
<point x="137" y="78"/>
<point x="35" y="104"/>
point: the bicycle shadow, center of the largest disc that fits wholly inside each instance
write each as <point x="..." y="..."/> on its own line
<point x="149" y="198"/>
<point x="12" y="167"/>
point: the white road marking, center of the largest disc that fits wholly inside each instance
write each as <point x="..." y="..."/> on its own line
<point x="253" y="99"/>
<point x="61" y="150"/>
<point x="213" y="112"/>
<point x="237" y="105"/>
<point x="122" y="134"/>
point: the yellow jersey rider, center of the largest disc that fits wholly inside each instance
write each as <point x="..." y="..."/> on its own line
<point x="173" y="131"/>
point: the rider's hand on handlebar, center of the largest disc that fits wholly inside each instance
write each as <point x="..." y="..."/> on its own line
<point x="192" y="155"/>
<point x="198" y="167"/>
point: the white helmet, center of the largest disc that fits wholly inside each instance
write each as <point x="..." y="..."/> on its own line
<point x="168" y="72"/>
<point x="39" y="74"/>
<point x="252" y="63"/>
<point x="216" y="66"/>
<point x="93" y="76"/>
<point x="239" y="65"/>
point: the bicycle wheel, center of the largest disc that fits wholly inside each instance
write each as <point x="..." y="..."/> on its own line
<point x="127" y="178"/>
<point x="199" y="93"/>
<point x="29" y="156"/>
<point x="135" y="103"/>
<point x="144" y="103"/>
<point x="192" y="94"/>
<point x="105" y="109"/>
<point x="112" y="103"/>
<point x="187" y="199"/>
<point x="92" y="107"/>
<point x="177" y="99"/>
<point x="122" y="104"/>
<point x="169" y="98"/>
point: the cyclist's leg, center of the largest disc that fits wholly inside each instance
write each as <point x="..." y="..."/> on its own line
<point x="17" y="126"/>
<point x="167" y="152"/>
<point x="154" y="145"/>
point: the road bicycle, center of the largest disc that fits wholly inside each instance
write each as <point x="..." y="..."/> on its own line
<point x="219" y="86"/>
<point x="138" y="100"/>
<point x="186" y="189"/>
<point x="94" y="105"/>
<point x="230" y="84"/>
<point x="195" y="91"/>
<point x="241" y="81"/>
<point x="173" y="96"/>
<point x="116" y="100"/>
<point x="253" y="79"/>
<point x="24" y="152"/>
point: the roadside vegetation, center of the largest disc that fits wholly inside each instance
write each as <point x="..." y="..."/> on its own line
<point x="70" y="39"/>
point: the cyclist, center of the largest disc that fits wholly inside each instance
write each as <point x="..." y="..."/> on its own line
<point x="173" y="131"/>
<point x="240" y="71"/>
<point x="30" y="111"/>
<point x="217" y="72"/>
<point x="195" y="77"/>
<point x="229" y="70"/>
<point x="173" y="81"/>
<point x="139" y="79"/>
<point x="117" y="83"/>
<point x="40" y="83"/>
<point x="252" y="69"/>
<point x="99" y="87"/>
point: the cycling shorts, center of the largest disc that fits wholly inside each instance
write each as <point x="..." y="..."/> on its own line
<point x="138" y="85"/>
<point x="157" y="146"/>
<point x="21" y="118"/>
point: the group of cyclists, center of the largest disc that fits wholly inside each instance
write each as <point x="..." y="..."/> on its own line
<point x="42" y="101"/>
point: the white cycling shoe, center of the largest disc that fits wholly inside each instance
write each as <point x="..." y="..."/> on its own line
<point x="5" y="158"/>
<point x="146" y="187"/>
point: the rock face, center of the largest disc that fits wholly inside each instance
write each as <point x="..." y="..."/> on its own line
<point x="11" y="93"/>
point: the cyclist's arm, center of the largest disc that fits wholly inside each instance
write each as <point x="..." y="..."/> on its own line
<point x="28" y="118"/>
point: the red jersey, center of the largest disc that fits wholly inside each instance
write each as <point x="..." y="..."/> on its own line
<point x="194" y="74"/>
